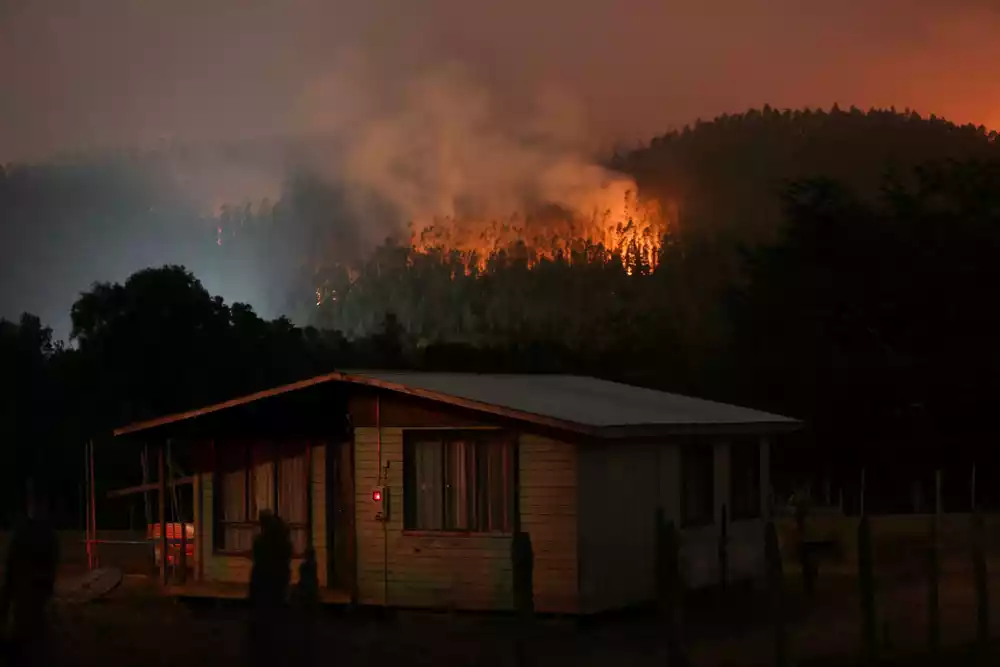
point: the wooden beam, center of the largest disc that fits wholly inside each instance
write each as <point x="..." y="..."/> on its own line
<point x="377" y="383"/>
<point x="142" y="488"/>
<point x="199" y="519"/>
<point x="163" y="513"/>
<point x="87" y="505"/>
<point x="309" y="494"/>
<point x="93" y="506"/>
<point x="182" y="556"/>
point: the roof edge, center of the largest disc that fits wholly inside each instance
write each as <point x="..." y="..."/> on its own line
<point x="645" y="431"/>
<point x="338" y="376"/>
<point x="779" y="424"/>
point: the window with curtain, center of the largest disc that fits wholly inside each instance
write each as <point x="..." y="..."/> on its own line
<point x="256" y="477"/>
<point x="459" y="481"/>
<point x="697" y="484"/>
<point x="744" y="478"/>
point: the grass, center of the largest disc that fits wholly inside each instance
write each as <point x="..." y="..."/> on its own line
<point x="138" y="627"/>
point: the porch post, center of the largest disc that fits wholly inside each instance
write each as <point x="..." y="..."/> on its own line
<point x="86" y="504"/>
<point x="95" y="562"/>
<point x="162" y="497"/>
<point x="937" y="492"/>
<point x="182" y="556"/>
<point x="309" y="495"/>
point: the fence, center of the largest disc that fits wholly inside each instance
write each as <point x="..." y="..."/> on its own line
<point x="899" y="541"/>
<point x="131" y="558"/>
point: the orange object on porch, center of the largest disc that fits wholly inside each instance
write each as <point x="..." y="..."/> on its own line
<point x="173" y="541"/>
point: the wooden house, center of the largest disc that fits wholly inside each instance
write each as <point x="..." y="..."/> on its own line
<point x="408" y="486"/>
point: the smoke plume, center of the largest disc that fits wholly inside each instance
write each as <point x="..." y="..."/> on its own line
<point x="438" y="144"/>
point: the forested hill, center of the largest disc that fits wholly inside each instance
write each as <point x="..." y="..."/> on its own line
<point x="727" y="178"/>
<point x="100" y="218"/>
<point x="727" y="174"/>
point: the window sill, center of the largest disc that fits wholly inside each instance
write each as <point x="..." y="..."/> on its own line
<point x="453" y="533"/>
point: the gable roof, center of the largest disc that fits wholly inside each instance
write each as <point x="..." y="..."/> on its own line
<point x="567" y="402"/>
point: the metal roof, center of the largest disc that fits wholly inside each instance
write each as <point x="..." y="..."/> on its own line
<point x="577" y="399"/>
<point x="576" y="403"/>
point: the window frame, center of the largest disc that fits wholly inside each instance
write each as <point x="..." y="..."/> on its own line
<point x="412" y="437"/>
<point x="745" y="444"/>
<point x="702" y="449"/>
<point x="273" y="457"/>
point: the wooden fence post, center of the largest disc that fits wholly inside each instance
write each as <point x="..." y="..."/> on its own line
<point x="982" y="584"/>
<point x="933" y="590"/>
<point x="806" y="561"/>
<point x="669" y="588"/>
<point x="866" y="585"/>
<point x="775" y="584"/>
<point x="937" y="493"/>
<point x="724" y="547"/>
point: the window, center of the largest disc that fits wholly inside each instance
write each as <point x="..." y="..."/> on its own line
<point x="697" y="484"/>
<point x="744" y="479"/>
<point x="459" y="481"/>
<point x="250" y="478"/>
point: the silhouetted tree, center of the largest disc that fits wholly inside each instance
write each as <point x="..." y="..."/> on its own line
<point x="28" y="581"/>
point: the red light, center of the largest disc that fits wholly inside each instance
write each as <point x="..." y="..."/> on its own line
<point x="377" y="495"/>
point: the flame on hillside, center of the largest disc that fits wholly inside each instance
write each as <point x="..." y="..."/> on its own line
<point x="628" y="232"/>
<point x="622" y="227"/>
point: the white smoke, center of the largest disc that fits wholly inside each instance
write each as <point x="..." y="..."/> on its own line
<point x="436" y="143"/>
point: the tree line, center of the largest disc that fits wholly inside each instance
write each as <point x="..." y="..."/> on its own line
<point x="859" y="303"/>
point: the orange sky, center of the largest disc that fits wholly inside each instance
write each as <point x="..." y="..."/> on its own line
<point x="105" y="72"/>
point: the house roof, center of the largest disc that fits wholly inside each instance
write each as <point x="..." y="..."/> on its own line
<point x="567" y="402"/>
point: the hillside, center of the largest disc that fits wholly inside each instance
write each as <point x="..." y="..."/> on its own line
<point x="727" y="174"/>
<point x="717" y="183"/>
<point x="724" y="178"/>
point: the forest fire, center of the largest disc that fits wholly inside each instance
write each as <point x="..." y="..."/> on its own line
<point x="629" y="229"/>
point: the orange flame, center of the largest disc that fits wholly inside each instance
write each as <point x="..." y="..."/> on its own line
<point x="630" y="229"/>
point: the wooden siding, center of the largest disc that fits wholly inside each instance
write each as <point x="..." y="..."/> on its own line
<point x="548" y="509"/>
<point x="465" y="571"/>
<point x="225" y="568"/>
<point x="367" y="407"/>
<point x="320" y="533"/>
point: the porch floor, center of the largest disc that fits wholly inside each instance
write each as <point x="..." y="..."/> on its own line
<point x="232" y="591"/>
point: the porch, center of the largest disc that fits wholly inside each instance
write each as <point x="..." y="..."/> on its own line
<point x="204" y="481"/>
<point x="194" y="590"/>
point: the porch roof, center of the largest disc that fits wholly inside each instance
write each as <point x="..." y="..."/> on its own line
<point x="579" y="404"/>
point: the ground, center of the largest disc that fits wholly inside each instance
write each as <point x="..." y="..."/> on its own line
<point x="136" y="626"/>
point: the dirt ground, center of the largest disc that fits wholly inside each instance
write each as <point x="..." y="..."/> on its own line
<point x="135" y="626"/>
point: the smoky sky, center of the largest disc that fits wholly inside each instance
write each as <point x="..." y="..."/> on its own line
<point x="94" y="73"/>
<point x="425" y="87"/>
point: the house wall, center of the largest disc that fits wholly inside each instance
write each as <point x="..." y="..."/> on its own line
<point x="700" y="546"/>
<point x="425" y="569"/>
<point x="620" y="487"/>
<point x="225" y="568"/>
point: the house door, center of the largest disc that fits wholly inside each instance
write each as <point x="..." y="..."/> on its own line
<point x="340" y="509"/>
